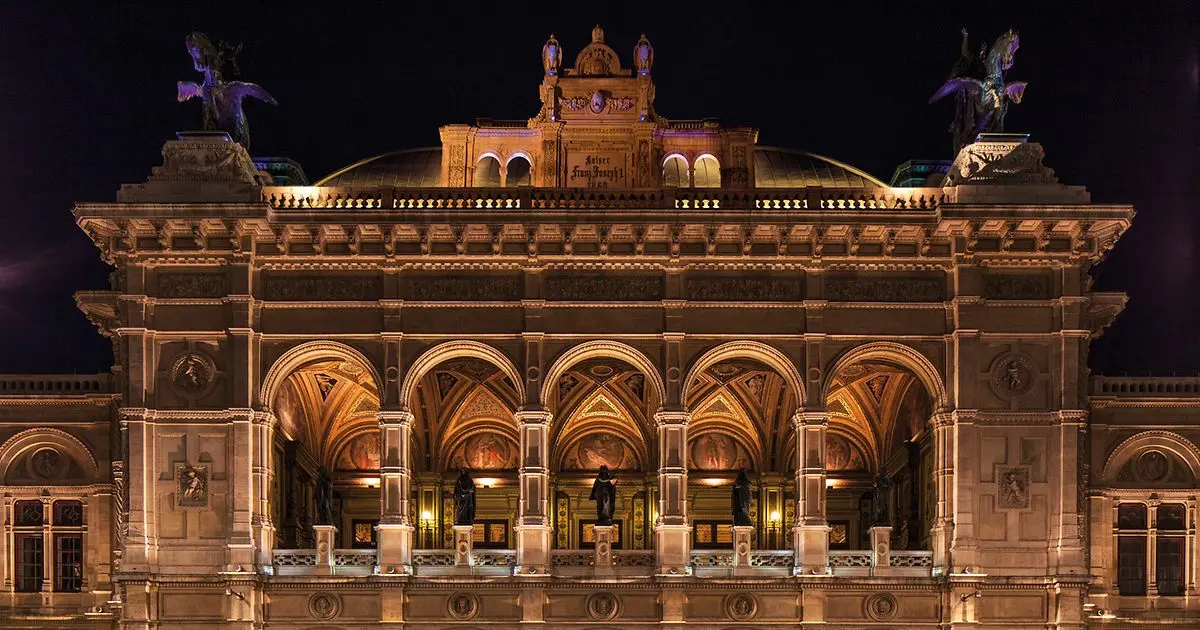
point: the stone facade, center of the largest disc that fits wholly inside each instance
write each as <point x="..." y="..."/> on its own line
<point x="901" y="371"/>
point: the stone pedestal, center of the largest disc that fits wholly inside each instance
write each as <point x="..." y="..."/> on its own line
<point x="741" y="545"/>
<point x="881" y="546"/>
<point x="326" y="536"/>
<point x="462" y="545"/>
<point x="604" y="556"/>
<point x="811" y="543"/>
<point x="395" y="547"/>
<point x="673" y="545"/>
<point x="533" y="549"/>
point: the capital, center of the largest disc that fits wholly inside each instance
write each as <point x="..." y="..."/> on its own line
<point x="810" y="417"/>
<point x="398" y="417"/>
<point x="533" y="416"/>
<point x="663" y="418"/>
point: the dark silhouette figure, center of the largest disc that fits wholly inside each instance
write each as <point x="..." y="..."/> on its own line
<point x="604" y="493"/>
<point x="464" y="499"/>
<point x="324" y="498"/>
<point x="222" y="99"/>
<point x="882" y="485"/>
<point x="741" y="499"/>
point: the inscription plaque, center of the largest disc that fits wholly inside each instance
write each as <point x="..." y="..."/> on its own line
<point x="597" y="169"/>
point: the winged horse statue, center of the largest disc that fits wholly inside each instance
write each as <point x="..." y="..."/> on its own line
<point x="983" y="102"/>
<point x="222" y="99"/>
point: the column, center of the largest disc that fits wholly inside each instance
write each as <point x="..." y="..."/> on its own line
<point x="533" y="522"/>
<point x="395" y="527"/>
<point x="943" y="476"/>
<point x="673" y="533"/>
<point x="240" y="552"/>
<point x="1068" y="547"/>
<point x="262" y="471"/>
<point x="811" y="533"/>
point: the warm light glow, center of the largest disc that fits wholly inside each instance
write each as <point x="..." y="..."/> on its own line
<point x="486" y="482"/>
<point x="713" y="481"/>
<point x="426" y="516"/>
<point x="371" y="482"/>
<point x="830" y="483"/>
<point x="775" y="516"/>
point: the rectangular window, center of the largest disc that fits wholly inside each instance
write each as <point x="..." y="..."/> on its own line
<point x="68" y="513"/>
<point x="364" y="534"/>
<point x="28" y="513"/>
<point x="1169" y="565"/>
<point x="712" y="535"/>
<point x="839" y="534"/>
<point x="587" y="534"/>
<point x="29" y="562"/>
<point x="68" y="563"/>
<point x="1131" y="565"/>
<point x="490" y="534"/>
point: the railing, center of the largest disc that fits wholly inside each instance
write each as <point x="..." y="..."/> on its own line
<point x="54" y="384"/>
<point x="851" y="558"/>
<point x="1150" y="386"/>
<point x="567" y="199"/>
<point x="572" y="558"/>
<point x="433" y="558"/>
<point x="920" y="559"/>
<point x="712" y="558"/>
<point x="773" y="558"/>
<point x="635" y="558"/>
<point x="361" y="558"/>
<point x="494" y="557"/>
<point x="294" y="558"/>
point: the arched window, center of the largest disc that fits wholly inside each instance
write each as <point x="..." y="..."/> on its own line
<point x="1131" y="548"/>
<point x="37" y="523"/>
<point x="487" y="173"/>
<point x="519" y="172"/>
<point x="1169" y="546"/>
<point x="675" y="172"/>
<point x="707" y="172"/>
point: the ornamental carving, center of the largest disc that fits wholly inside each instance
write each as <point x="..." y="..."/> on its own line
<point x="313" y="288"/>
<point x="868" y="289"/>
<point x="206" y="160"/>
<point x="1013" y="493"/>
<point x="602" y="606"/>
<point x="192" y="486"/>
<point x="324" y="606"/>
<point x="458" y="166"/>
<point x="1001" y="163"/>
<point x="465" y="288"/>
<point x="881" y="606"/>
<point x="1013" y="375"/>
<point x="1016" y="287"/>
<point x="192" y="375"/>
<point x="744" y="289"/>
<point x="462" y="606"/>
<point x="49" y="464"/>
<point x="587" y="288"/>
<point x="190" y="284"/>
<point x="1152" y="466"/>
<point x="741" y="606"/>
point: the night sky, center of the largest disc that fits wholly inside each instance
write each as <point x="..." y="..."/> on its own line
<point x="87" y="97"/>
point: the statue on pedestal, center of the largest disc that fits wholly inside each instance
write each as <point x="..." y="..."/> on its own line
<point x="643" y="56"/>
<point x="604" y="493"/>
<point x="880" y="501"/>
<point x="464" y="499"/>
<point x="222" y="99"/>
<point x="741" y="499"/>
<point x="551" y="56"/>
<point x="324" y="498"/>
<point x="983" y="94"/>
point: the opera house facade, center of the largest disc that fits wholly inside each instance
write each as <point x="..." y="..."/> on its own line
<point x="302" y="371"/>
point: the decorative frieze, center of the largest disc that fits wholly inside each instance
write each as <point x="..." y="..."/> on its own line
<point x="289" y="288"/>
<point x="190" y="284"/>
<point x="744" y="288"/>
<point x="884" y="289"/>
<point x="465" y="288"/>
<point x="603" y="287"/>
<point x="1016" y="287"/>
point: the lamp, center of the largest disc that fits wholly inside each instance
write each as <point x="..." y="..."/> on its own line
<point x="427" y="528"/>
<point x="774" y="528"/>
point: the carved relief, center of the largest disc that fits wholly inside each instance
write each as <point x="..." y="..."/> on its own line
<point x="462" y="606"/>
<point x="465" y="288"/>
<point x="323" y="606"/>
<point x="1013" y="493"/>
<point x="49" y="464"/>
<point x="1001" y="163"/>
<point x="741" y="606"/>
<point x="190" y="284"/>
<point x="550" y="161"/>
<point x="1152" y="466"/>
<point x="641" y="165"/>
<point x="1013" y="375"/>
<point x="868" y="289"/>
<point x="602" y="606"/>
<point x="192" y="375"/>
<point x="191" y="486"/>
<point x="604" y="288"/>
<point x="881" y="606"/>
<point x="458" y="166"/>
<point x="715" y="451"/>
<point x="840" y="454"/>
<point x="309" y="288"/>
<point x="600" y="449"/>
<point x="744" y="289"/>
<point x="1016" y="287"/>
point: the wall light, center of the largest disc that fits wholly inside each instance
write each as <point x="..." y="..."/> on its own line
<point x="774" y="516"/>
<point x="426" y="516"/>
<point x="486" y="482"/>
<point x="713" y="481"/>
<point x="371" y="482"/>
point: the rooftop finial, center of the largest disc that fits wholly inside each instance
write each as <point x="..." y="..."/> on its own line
<point x="597" y="35"/>
<point x="551" y="55"/>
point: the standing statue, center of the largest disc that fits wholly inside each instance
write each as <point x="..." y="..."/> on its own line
<point x="551" y="56"/>
<point x="464" y="499"/>
<point x="984" y="95"/>
<point x="222" y="99"/>
<point x="741" y="499"/>
<point x="324" y="498"/>
<point x="880" y="501"/>
<point x="604" y="493"/>
<point x="643" y="56"/>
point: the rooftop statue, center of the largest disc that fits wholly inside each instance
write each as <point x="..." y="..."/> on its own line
<point x="983" y="94"/>
<point x="551" y="55"/>
<point x="643" y="56"/>
<point x="222" y="99"/>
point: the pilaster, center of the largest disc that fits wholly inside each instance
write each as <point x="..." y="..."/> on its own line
<point x="811" y="531"/>
<point x="395" y="529"/>
<point x="533" y="530"/>
<point x="673" y="531"/>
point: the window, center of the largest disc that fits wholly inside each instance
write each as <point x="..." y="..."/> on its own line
<point x="364" y="534"/>
<point x="839" y="534"/>
<point x="1171" y="526"/>
<point x="63" y="532"/>
<point x="712" y="535"/>
<point x="1131" y="548"/>
<point x="490" y="534"/>
<point x="587" y="534"/>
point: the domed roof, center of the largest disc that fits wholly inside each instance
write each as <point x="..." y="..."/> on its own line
<point x="788" y="168"/>
<point x="773" y="168"/>
<point x="411" y="168"/>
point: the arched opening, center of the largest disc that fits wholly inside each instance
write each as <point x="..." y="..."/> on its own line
<point x="464" y="419"/>
<point x="519" y="172"/>
<point x="879" y="444"/>
<point x="603" y="408"/>
<point x="487" y="173"/>
<point x="741" y="410"/>
<point x="326" y="432"/>
<point x="706" y="172"/>
<point x="675" y="172"/>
